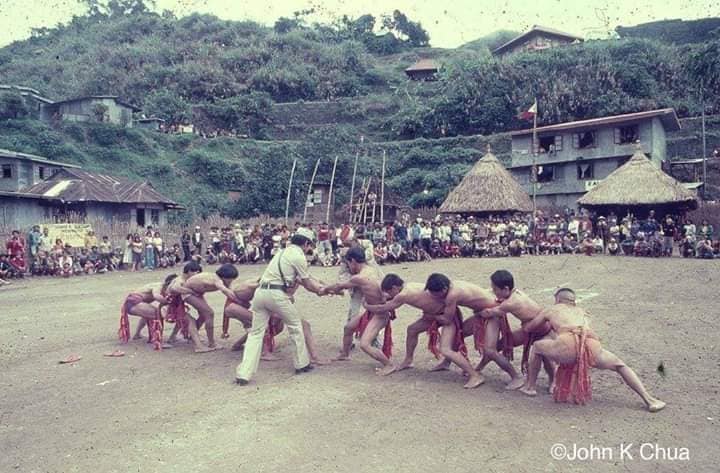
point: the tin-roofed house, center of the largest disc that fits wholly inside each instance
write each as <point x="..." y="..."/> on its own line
<point x="67" y="192"/>
<point x="97" y="108"/>
<point x="538" y="38"/>
<point x="424" y="69"/>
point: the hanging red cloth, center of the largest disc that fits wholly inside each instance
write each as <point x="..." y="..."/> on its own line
<point x="505" y="332"/>
<point x="572" y="381"/>
<point x="177" y="313"/>
<point x="156" y="328"/>
<point x="433" y="332"/>
<point x="274" y="327"/>
<point x="387" y="338"/>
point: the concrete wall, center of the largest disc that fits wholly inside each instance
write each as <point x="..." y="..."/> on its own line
<point x="83" y="111"/>
<point x="24" y="173"/>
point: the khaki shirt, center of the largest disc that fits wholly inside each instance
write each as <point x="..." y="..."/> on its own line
<point x="294" y="266"/>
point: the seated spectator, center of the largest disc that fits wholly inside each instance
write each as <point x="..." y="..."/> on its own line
<point x="628" y="246"/>
<point x="587" y="247"/>
<point x="7" y="271"/>
<point x="467" y="249"/>
<point x="704" y="249"/>
<point x="515" y="247"/>
<point x="570" y="244"/>
<point x="687" y="247"/>
<point x="480" y="247"/>
<point x="252" y="252"/>
<point x="396" y="252"/>
<point x="436" y="249"/>
<point x="381" y="252"/>
<point x="598" y="245"/>
<point x="555" y="241"/>
<point x="613" y="247"/>
<point x="642" y="247"/>
<point x="210" y="256"/>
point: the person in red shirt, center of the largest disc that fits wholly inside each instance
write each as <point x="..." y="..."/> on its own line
<point x="16" y="251"/>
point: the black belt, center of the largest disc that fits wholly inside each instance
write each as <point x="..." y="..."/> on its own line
<point x="265" y="285"/>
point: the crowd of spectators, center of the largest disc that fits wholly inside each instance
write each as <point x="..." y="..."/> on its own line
<point x="401" y="241"/>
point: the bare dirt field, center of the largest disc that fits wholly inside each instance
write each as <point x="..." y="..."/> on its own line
<point x="177" y="411"/>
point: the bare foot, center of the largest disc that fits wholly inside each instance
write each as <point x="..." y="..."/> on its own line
<point x="320" y="361"/>
<point x="514" y="384"/>
<point x="205" y="349"/>
<point x="239" y="345"/>
<point x="527" y="391"/>
<point x="171" y="340"/>
<point x="442" y="366"/>
<point x="656" y="405"/>
<point x="137" y="336"/>
<point x="551" y="388"/>
<point x="342" y="357"/>
<point x="386" y="370"/>
<point x="474" y="381"/>
<point x="269" y="357"/>
<point x="167" y="345"/>
<point x="405" y="365"/>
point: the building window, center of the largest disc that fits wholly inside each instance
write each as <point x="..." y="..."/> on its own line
<point x="545" y="173"/>
<point x="41" y="172"/>
<point x="550" y="144"/>
<point x="585" y="139"/>
<point x="585" y="171"/>
<point x="7" y="171"/>
<point x="627" y="134"/>
<point x="155" y="216"/>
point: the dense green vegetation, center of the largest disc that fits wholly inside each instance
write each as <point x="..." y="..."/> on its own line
<point x="228" y="76"/>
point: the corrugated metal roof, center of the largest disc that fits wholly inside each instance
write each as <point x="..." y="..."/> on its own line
<point x="74" y="185"/>
<point x="424" y="65"/>
<point x="666" y="115"/>
<point x="99" y="97"/>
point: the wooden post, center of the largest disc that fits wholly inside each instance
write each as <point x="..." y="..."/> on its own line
<point x="533" y="170"/>
<point x="287" y="202"/>
<point x="332" y="181"/>
<point x="363" y="207"/>
<point x="312" y="181"/>
<point x="382" y="190"/>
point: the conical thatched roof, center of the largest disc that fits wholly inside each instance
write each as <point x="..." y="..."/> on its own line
<point x="638" y="182"/>
<point x="488" y="187"/>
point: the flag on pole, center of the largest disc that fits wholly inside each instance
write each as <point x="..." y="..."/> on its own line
<point x="530" y="113"/>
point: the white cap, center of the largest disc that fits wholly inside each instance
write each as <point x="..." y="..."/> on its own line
<point x="306" y="233"/>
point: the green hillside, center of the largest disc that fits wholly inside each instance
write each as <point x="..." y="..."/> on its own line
<point x="307" y="91"/>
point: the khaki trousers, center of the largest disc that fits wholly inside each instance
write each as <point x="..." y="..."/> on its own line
<point x="265" y="303"/>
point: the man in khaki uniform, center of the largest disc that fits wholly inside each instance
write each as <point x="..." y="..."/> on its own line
<point x="286" y="269"/>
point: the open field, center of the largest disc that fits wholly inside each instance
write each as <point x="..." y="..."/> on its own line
<point x="178" y="411"/>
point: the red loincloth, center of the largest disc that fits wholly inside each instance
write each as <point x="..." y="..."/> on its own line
<point x="130" y="301"/>
<point x="226" y="318"/>
<point x="505" y="332"/>
<point x="177" y="313"/>
<point x="387" y="338"/>
<point x="156" y="327"/>
<point x="433" y="332"/>
<point x="572" y="381"/>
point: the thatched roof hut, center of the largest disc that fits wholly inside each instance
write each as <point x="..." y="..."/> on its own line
<point x="487" y="188"/>
<point x="639" y="184"/>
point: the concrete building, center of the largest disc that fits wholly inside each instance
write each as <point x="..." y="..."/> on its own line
<point x="98" y="108"/>
<point x="538" y="38"/>
<point x="573" y="157"/>
<point x="34" y="189"/>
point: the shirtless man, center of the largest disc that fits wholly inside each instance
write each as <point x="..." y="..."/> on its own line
<point x="240" y="310"/>
<point x="199" y="285"/>
<point x="144" y="303"/>
<point x="576" y="349"/>
<point x="486" y="330"/>
<point x="415" y="295"/>
<point x="517" y="303"/>
<point x="176" y="305"/>
<point x="365" y="278"/>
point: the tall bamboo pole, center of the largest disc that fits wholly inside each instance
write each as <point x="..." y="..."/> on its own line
<point x="287" y="201"/>
<point x="332" y="181"/>
<point x="534" y="161"/>
<point x="312" y="181"/>
<point x="382" y="190"/>
<point x="352" y="186"/>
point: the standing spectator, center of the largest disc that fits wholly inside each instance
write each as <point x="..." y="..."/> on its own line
<point x="16" y="251"/>
<point x="668" y="229"/>
<point x="215" y="239"/>
<point x="127" y="259"/>
<point x="149" y="260"/>
<point x="158" y="247"/>
<point x="186" y="241"/>
<point x="46" y="241"/>
<point x="90" y="240"/>
<point x="197" y="240"/>
<point x="34" y="241"/>
<point x="689" y="230"/>
<point x="415" y="232"/>
<point x="401" y="234"/>
<point x="650" y="226"/>
<point x="324" y="244"/>
<point x="105" y="249"/>
<point x="136" y="246"/>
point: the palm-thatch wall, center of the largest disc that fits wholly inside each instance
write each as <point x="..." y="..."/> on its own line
<point x="487" y="188"/>
<point x="638" y="186"/>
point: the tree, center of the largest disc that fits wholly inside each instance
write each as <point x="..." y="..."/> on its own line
<point x="12" y="106"/>
<point x="409" y="31"/>
<point x="167" y="105"/>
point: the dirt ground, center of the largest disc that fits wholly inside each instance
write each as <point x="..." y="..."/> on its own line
<point x="179" y="411"/>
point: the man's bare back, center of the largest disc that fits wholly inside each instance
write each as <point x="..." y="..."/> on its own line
<point x="564" y="316"/>
<point x="368" y="282"/>
<point x="203" y="282"/>
<point x="245" y="290"/>
<point x="471" y="295"/>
